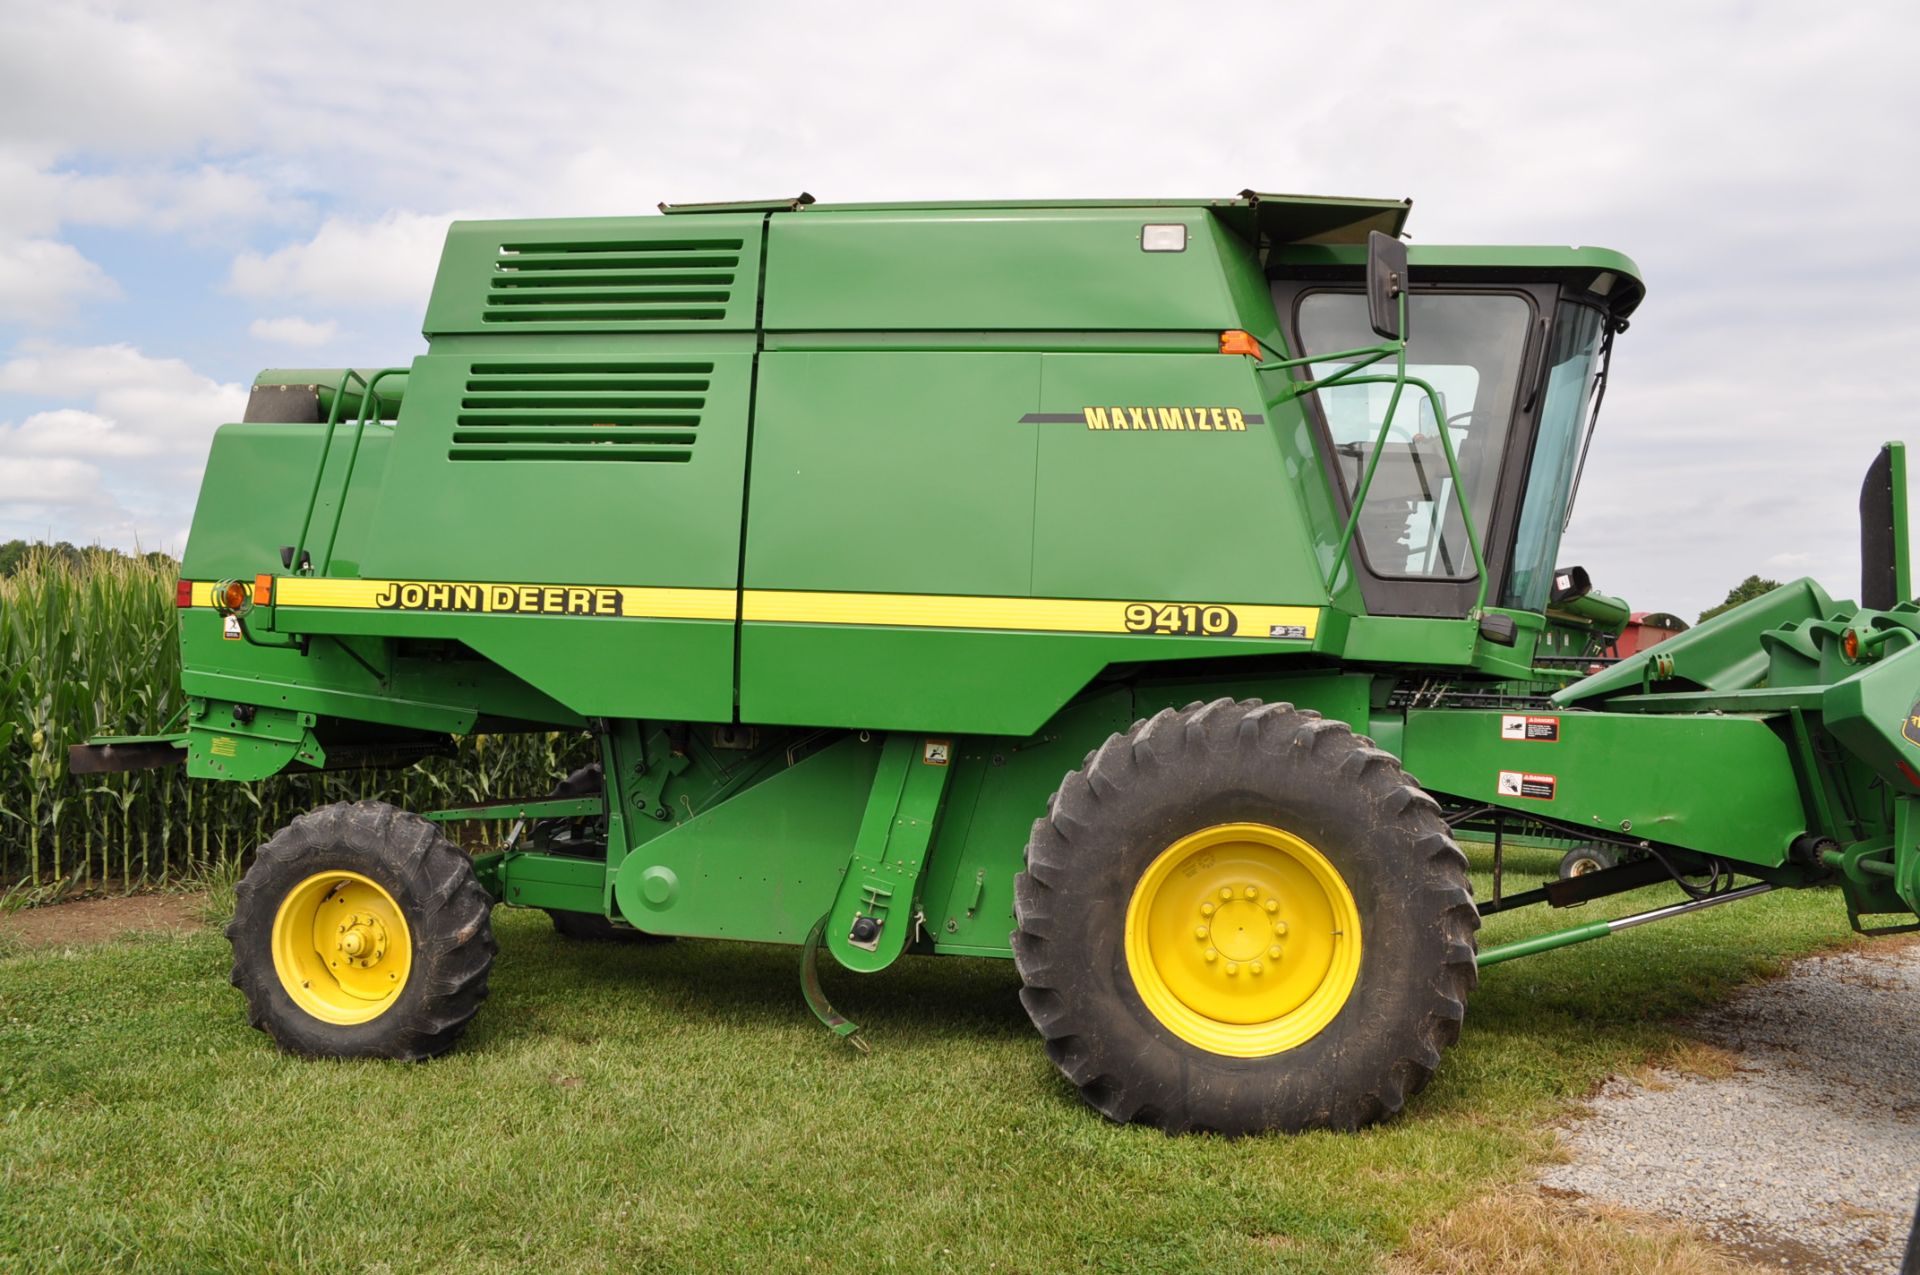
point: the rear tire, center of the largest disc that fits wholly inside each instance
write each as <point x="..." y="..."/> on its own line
<point x="361" y="932"/>
<point x="1591" y="857"/>
<point x="1159" y="1016"/>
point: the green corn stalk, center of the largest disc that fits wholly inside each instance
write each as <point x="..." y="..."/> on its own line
<point x="91" y="647"/>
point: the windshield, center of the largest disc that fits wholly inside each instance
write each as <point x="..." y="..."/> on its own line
<point x="1468" y="347"/>
<point x="1573" y="363"/>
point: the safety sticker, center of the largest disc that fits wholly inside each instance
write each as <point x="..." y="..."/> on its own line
<point x="1514" y="783"/>
<point x="938" y="752"/>
<point x="230" y="628"/>
<point x="1912" y="728"/>
<point x="1539" y="730"/>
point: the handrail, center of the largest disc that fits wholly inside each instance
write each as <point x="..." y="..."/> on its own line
<point x="1354" y="361"/>
<point x="368" y="402"/>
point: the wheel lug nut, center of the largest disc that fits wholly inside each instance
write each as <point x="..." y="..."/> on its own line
<point x="1251" y="892"/>
<point x="1232" y="968"/>
<point x="1257" y="968"/>
<point x="1273" y="905"/>
<point x="1274" y="951"/>
<point x="1280" y="927"/>
<point x="1199" y="931"/>
<point x="1206" y="909"/>
<point x="1226" y="892"/>
<point x="1212" y="955"/>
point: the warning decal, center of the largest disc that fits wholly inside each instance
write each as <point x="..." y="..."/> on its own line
<point x="1539" y="730"/>
<point x="1911" y="728"/>
<point x="1514" y="783"/>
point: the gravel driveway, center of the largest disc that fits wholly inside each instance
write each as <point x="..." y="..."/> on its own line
<point x="1808" y="1156"/>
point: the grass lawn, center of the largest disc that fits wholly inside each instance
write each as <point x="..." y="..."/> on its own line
<point x="676" y="1107"/>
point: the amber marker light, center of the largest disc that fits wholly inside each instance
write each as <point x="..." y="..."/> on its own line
<point x="1850" y="646"/>
<point x="234" y="596"/>
<point x="262" y="590"/>
<point x="1234" y="341"/>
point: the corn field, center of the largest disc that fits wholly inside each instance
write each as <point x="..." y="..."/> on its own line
<point x="88" y="647"/>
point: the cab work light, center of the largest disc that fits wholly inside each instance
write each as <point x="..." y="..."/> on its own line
<point x="1163" y="238"/>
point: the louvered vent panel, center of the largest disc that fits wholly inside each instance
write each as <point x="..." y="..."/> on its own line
<point x="622" y="410"/>
<point x="605" y="281"/>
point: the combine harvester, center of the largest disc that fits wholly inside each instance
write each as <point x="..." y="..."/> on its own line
<point x="1080" y="583"/>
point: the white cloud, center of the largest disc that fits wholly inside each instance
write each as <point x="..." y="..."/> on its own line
<point x="27" y="485"/>
<point x="293" y="330"/>
<point x="68" y="431"/>
<point x="388" y="260"/>
<point x="163" y="403"/>
<point x="41" y="280"/>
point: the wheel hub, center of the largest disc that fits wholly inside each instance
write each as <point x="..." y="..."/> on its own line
<point x="1243" y="939"/>
<point x="363" y="940"/>
<point x="341" y="947"/>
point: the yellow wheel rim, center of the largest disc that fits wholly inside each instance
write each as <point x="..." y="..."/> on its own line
<point x="341" y="947"/>
<point x="1243" y="939"/>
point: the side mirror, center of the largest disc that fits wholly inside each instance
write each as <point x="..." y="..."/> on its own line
<point x="1386" y="281"/>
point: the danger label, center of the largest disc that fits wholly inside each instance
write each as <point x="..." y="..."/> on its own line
<point x="1539" y="730"/>
<point x="1514" y="783"/>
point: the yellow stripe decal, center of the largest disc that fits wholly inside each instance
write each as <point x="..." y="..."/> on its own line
<point x="476" y="598"/>
<point x="1038" y="615"/>
<point x="884" y="610"/>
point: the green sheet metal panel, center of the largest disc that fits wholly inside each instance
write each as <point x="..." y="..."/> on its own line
<point x="896" y="533"/>
<point x="893" y="472"/>
<point x="1184" y="498"/>
<point x="762" y="865"/>
<point x="988" y="269"/>
<point x="1719" y="784"/>
<point x="524" y="467"/>
<point x="598" y="274"/>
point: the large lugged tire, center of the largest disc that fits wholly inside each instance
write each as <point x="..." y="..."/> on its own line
<point x="361" y="932"/>
<point x="1242" y="917"/>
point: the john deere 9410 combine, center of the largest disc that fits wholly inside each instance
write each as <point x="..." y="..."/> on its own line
<point x="1081" y="583"/>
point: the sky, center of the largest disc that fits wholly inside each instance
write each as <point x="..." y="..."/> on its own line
<point x="190" y="192"/>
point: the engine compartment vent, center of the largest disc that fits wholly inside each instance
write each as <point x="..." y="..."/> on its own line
<point x="611" y="281"/>
<point x="617" y="410"/>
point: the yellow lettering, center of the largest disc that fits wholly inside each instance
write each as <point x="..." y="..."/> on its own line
<point x="390" y="598"/>
<point x="1096" y="417"/>
<point x="552" y="599"/>
<point x="1170" y="418"/>
<point x="466" y="597"/>
<point x="412" y="595"/>
<point x="1235" y="419"/>
<point x="500" y="598"/>
<point x="577" y="600"/>
<point x="1139" y="418"/>
<point x="606" y="601"/>
<point x="1219" y="419"/>
<point x="526" y="598"/>
<point x="438" y="595"/>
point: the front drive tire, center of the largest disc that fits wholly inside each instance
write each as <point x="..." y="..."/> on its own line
<point x="361" y="932"/>
<point x="1243" y="917"/>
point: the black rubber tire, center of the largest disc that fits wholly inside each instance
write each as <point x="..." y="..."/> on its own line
<point x="590" y="927"/>
<point x="447" y="911"/>
<point x="1594" y="856"/>
<point x="1224" y="762"/>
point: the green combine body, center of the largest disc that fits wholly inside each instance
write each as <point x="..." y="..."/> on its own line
<point x="1078" y="582"/>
